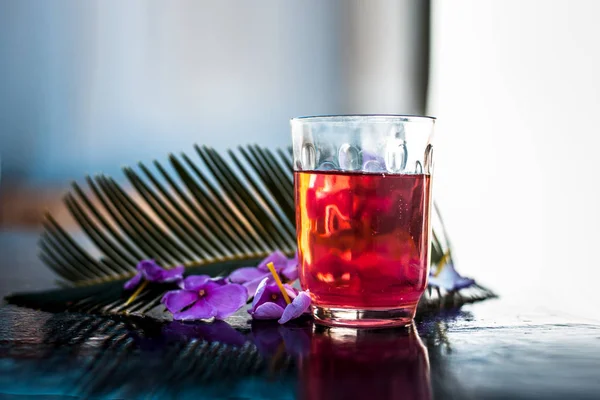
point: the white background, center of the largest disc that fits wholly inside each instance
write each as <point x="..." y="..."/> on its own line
<point x="516" y="88"/>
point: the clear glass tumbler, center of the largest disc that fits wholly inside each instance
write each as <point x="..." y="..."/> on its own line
<point x="363" y="200"/>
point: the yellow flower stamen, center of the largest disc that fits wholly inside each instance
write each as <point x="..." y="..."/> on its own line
<point x="278" y="282"/>
<point x="442" y="263"/>
<point x="136" y="293"/>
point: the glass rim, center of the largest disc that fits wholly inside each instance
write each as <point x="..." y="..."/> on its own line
<point x="366" y="118"/>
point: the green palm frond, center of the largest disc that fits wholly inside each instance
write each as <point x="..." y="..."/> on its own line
<point x="196" y="217"/>
<point x="212" y="215"/>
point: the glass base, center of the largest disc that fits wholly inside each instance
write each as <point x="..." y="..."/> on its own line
<point x="364" y="318"/>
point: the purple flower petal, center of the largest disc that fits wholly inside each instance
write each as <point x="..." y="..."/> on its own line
<point x="268" y="311"/>
<point x="133" y="282"/>
<point x="142" y="265"/>
<point x="242" y="275"/>
<point x="174" y="274"/>
<point x="268" y="292"/>
<point x="260" y="293"/>
<point x="450" y="280"/>
<point x="194" y="282"/>
<point x="221" y="281"/>
<point x="290" y="271"/>
<point x="176" y="300"/>
<point x="200" y="310"/>
<point x="252" y="286"/>
<point x="154" y="273"/>
<point x="278" y="259"/>
<point x="292" y="292"/>
<point x="296" y="308"/>
<point x="151" y="270"/>
<point x="226" y="299"/>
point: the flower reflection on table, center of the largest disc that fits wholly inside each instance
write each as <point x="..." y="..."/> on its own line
<point x="347" y="363"/>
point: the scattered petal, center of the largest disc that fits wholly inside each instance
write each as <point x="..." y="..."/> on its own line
<point x="252" y="286"/>
<point x="144" y="264"/>
<point x="292" y="292"/>
<point x="296" y="308"/>
<point x="226" y="299"/>
<point x="133" y="282"/>
<point x="174" y="274"/>
<point x="269" y="293"/>
<point x="242" y="275"/>
<point x="194" y="282"/>
<point x="221" y="281"/>
<point x="278" y="259"/>
<point x="154" y="273"/>
<point x="449" y="279"/>
<point x="200" y="310"/>
<point x="251" y="277"/>
<point x="260" y="292"/>
<point x="268" y="311"/>
<point x="291" y="268"/>
<point x="176" y="300"/>
<point x="151" y="270"/>
<point x="290" y="272"/>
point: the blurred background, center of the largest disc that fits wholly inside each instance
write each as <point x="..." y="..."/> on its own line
<point x="87" y="87"/>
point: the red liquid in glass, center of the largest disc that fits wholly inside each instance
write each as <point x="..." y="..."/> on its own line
<point x="363" y="238"/>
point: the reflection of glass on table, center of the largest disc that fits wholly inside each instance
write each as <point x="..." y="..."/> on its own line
<point x="345" y="363"/>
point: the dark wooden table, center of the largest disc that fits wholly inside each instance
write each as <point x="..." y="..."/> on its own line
<point x="487" y="350"/>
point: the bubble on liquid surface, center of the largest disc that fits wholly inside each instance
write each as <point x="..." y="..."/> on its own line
<point x="308" y="156"/>
<point x="395" y="156"/>
<point x="349" y="157"/>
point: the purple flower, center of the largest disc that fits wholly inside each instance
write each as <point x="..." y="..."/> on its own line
<point x="201" y="298"/>
<point x="269" y="302"/>
<point x="152" y="272"/>
<point x="250" y="277"/>
<point x="449" y="279"/>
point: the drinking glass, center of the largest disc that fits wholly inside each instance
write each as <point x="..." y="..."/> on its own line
<point x="363" y="200"/>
